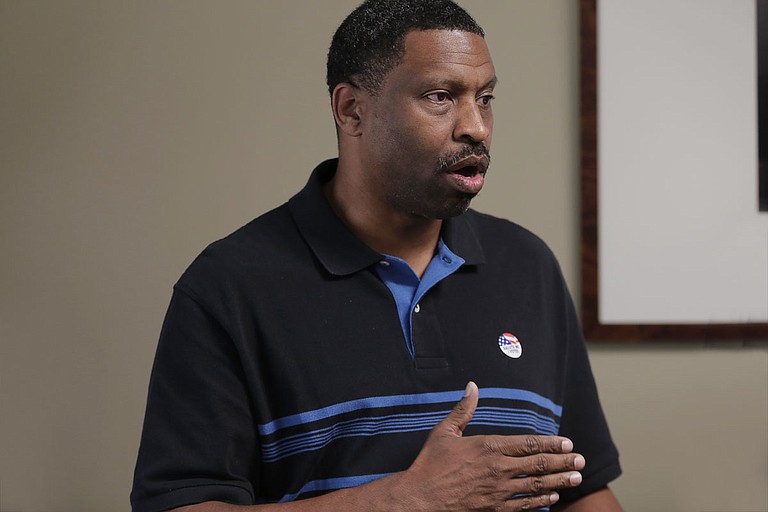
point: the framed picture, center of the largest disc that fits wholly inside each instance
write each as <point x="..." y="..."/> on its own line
<point x="674" y="227"/>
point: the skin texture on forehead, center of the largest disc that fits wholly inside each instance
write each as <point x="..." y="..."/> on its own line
<point x="432" y="47"/>
<point x="458" y="62"/>
<point x="371" y="40"/>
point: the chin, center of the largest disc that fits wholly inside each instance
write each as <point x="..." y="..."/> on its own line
<point x="452" y="208"/>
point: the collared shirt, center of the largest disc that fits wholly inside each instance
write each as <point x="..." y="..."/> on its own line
<point x="282" y="373"/>
<point x="342" y="254"/>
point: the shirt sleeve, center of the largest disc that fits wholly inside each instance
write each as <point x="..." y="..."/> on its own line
<point x="583" y="420"/>
<point x="199" y="441"/>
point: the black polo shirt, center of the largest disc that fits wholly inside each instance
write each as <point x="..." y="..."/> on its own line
<point x="282" y="371"/>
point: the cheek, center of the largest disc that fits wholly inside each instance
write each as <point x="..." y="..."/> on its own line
<point x="430" y="135"/>
<point x="409" y="131"/>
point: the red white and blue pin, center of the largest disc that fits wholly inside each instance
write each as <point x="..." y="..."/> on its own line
<point x="510" y="345"/>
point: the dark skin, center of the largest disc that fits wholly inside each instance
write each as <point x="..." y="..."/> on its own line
<point x="392" y="192"/>
<point x="433" y="104"/>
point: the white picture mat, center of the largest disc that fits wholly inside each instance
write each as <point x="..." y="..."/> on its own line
<point x="681" y="239"/>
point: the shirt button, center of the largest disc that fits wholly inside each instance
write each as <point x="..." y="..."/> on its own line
<point x="417" y="308"/>
<point x="447" y="259"/>
<point x="384" y="263"/>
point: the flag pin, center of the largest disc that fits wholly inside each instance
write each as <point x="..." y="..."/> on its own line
<point x="510" y="345"/>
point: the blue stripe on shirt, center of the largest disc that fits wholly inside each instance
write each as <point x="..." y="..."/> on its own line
<point x="404" y="400"/>
<point x="331" y="484"/>
<point x="403" y="423"/>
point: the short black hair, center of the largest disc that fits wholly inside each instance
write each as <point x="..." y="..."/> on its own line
<point x="370" y="42"/>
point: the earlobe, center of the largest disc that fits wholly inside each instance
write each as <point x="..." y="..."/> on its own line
<point x="347" y="106"/>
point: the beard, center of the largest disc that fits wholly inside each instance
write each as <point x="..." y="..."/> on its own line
<point x="428" y="195"/>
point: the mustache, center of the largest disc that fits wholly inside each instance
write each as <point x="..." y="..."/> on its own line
<point x="471" y="149"/>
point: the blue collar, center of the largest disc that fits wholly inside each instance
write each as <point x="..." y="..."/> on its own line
<point x="406" y="287"/>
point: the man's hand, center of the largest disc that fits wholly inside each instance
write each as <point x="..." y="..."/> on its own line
<point x="489" y="472"/>
<point x="454" y="473"/>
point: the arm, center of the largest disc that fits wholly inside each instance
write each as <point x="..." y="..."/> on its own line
<point x="601" y="500"/>
<point x="454" y="473"/>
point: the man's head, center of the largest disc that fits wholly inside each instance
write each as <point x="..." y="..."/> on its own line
<point x="371" y="40"/>
<point x="413" y="114"/>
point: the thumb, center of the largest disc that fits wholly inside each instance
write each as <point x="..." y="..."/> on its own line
<point x="462" y="412"/>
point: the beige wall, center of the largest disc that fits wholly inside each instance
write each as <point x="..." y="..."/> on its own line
<point x="133" y="133"/>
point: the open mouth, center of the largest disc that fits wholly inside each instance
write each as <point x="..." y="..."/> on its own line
<point x="470" y="165"/>
<point x="468" y="179"/>
<point x="469" y="171"/>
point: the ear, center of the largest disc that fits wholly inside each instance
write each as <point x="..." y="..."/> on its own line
<point x="347" y="103"/>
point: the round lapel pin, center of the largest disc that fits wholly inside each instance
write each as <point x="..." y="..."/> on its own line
<point x="510" y="345"/>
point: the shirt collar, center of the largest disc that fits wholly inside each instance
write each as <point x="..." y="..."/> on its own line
<point x="339" y="250"/>
<point x="459" y="235"/>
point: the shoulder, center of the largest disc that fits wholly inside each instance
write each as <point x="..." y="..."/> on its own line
<point x="504" y="238"/>
<point x="514" y="256"/>
<point x="247" y="255"/>
<point x="263" y="236"/>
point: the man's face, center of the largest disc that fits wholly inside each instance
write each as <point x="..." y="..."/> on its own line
<point x="425" y="146"/>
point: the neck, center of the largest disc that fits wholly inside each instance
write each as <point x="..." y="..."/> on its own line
<point x="409" y="237"/>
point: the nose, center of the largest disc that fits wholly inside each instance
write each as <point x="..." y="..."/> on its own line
<point x="474" y="122"/>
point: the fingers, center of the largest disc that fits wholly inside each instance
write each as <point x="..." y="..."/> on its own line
<point x="457" y="420"/>
<point x="517" y="472"/>
<point x="532" y="502"/>
<point x="534" y="492"/>
<point x="520" y="446"/>
<point x="561" y="469"/>
<point x="548" y="463"/>
<point x="545" y="483"/>
<point x="539" y="464"/>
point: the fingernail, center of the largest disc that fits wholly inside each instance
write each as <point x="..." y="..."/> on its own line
<point x="575" y="478"/>
<point x="567" y="445"/>
<point x="579" y="462"/>
<point x="467" y="389"/>
<point x="554" y="497"/>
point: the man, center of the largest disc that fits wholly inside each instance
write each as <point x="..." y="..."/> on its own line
<point x="312" y="359"/>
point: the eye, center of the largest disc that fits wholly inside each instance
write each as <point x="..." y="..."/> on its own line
<point x="438" y="96"/>
<point x="486" y="99"/>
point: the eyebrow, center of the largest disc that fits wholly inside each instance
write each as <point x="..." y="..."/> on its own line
<point x="458" y="85"/>
<point x="493" y="82"/>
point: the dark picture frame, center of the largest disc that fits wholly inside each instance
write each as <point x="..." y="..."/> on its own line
<point x="590" y="230"/>
<point x="762" y="101"/>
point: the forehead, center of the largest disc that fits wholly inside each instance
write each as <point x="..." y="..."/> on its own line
<point x="446" y="54"/>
